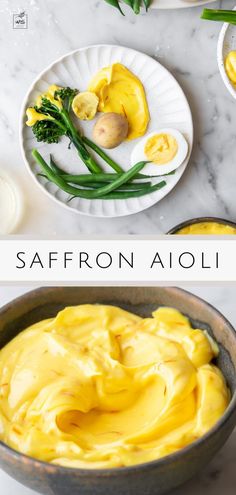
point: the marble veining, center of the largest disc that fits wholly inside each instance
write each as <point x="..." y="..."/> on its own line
<point x="182" y="43"/>
<point x="220" y="475"/>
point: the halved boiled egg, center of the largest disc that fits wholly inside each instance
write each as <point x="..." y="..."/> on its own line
<point x="165" y="149"/>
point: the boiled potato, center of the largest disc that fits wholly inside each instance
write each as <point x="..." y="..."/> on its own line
<point x="110" y="130"/>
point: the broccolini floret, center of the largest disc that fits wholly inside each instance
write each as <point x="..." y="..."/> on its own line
<point x="50" y="120"/>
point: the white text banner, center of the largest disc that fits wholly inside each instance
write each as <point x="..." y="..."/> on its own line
<point x="150" y="260"/>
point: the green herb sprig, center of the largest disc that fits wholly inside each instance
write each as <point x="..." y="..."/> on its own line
<point x="116" y="4"/>
<point x="135" y="5"/>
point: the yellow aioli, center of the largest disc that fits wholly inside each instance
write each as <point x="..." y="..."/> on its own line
<point x="98" y="387"/>
<point x="161" y="148"/>
<point x="207" y="228"/>
<point x="120" y="91"/>
<point x="230" y="66"/>
<point x="33" y="116"/>
<point x="50" y="95"/>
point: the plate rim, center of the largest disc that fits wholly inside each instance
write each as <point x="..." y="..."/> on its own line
<point x="22" y="127"/>
<point x="203" y="2"/>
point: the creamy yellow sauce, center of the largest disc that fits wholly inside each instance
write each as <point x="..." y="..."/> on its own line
<point x="230" y="66"/>
<point x="33" y="116"/>
<point x="161" y="148"/>
<point x="120" y="91"/>
<point x="98" y="387"/>
<point x="207" y="228"/>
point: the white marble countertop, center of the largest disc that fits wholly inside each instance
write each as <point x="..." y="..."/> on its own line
<point x="220" y="475"/>
<point x="182" y="43"/>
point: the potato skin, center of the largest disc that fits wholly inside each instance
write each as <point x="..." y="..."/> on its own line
<point x="110" y="130"/>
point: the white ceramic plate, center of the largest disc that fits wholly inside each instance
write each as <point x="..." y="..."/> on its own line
<point x="178" y="4"/>
<point x="226" y="43"/>
<point x="168" y="107"/>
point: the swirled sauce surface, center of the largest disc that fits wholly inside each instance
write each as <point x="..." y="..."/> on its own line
<point x="120" y="91"/>
<point x="98" y="387"/>
<point x="207" y="228"/>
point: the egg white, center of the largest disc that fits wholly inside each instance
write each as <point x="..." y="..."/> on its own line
<point x="138" y="153"/>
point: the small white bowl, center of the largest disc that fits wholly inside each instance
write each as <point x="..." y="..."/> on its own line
<point x="226" y="43"/>
<point x="11" y="204"/>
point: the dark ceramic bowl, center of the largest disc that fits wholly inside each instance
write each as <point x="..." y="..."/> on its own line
<point x="153" y="478"/>
<point x="194" y="221"/>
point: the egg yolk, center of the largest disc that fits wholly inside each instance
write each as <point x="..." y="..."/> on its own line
<point x="207" y="228"/>
<point x="120" y="91"/>
<point x="161" y="149"/>
<point x="230" y="66"/>
<point x="99" y="387"/>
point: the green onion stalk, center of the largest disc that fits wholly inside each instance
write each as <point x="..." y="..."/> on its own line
<point x="219" y="15"/>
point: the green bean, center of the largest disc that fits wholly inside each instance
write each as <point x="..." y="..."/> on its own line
<point x="125" y="187"/>
<point x="97" y="185"/>
<point x="125" y="177"/>
<point x="76" y="192"/>
<point x="103" y="155"/>
<point x="137" y="194"/>
<point x="101" y="192"/>
<point x="132" y="194"/>
<point x="87" y="178"/>
<point x="58" y="170"/>
<point x="80" y="180"/>
<point x="57" y="179"/>
<point x="103" y="177"/>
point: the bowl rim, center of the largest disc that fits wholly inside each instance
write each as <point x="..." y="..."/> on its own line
<point x="220" y="59"/>
<point x="127" y="470"/>
<point x="193" y="221"/>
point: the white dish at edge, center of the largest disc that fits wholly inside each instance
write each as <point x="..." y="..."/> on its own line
<point x="11" y="204"/>
<point x="226" y="43"/>
<point x="168" y="107"/>
<point x="178" y="4"/>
